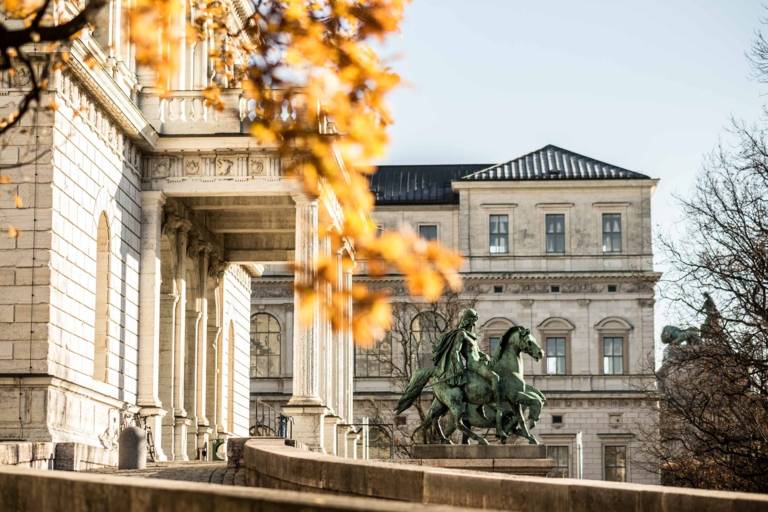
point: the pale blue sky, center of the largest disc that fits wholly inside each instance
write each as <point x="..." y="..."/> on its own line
<point x="647" y="85"/>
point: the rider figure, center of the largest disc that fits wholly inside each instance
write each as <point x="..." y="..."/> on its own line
<point x="459" y="352"/>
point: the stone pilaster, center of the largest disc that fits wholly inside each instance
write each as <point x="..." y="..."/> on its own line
<point x="149" y="316"/>
<point x="349" y="355"/>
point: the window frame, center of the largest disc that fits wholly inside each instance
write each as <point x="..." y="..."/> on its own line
<point x="567" y="465"/>
<point x="564" y="355"/>
<point x="614" y="235"/>
<point x="612" y="356"/>
<point x="606" y="466"/>
<point x="501" y="236"/>
<point x="380" y="356"/>
<point x="561" y="235"/>
<point x="556" y="327"/>
<point x="614" y="327"/>
<point x="255" y="358"/>
<point x="429" y="225"/>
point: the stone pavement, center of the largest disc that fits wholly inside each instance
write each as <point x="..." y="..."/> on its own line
<point x="205" y="472"/>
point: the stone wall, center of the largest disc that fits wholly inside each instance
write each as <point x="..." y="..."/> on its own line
<point x="27" y="490"/>
<point x="85" y="169"/>
<point x="274" y="465"/>
<point x="237" y="313"/>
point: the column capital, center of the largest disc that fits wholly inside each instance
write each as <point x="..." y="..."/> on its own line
<point x="152" y="199"/>
<point x="302" y="199"/>
<point x="174" y="222"/>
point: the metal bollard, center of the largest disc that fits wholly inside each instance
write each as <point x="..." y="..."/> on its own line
<point x="132" y="449"/>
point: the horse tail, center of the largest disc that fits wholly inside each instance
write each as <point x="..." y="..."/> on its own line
<point x="412" y="392"/>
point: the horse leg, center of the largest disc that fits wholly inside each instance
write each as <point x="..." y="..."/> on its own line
<point x="437" y="414"/>
<point x="454" y="398"/>
<point x="524" y="430"/>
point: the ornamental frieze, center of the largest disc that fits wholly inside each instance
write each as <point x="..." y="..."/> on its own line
<point x="207" y="166"/>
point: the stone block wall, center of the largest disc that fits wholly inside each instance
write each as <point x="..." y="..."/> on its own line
<point x="237" y="315"/>
<point x="84" y="168"/>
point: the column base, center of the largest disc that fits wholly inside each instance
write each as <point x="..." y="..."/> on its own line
<point x="203" y="438"/>
<point x="153" y="416"/>
<point x="342" y="446"/>
<point x="329" y="440"/>
<point x="168" y="441"/>
<point x="351" y="439"/>
<point x="308" y="424"/>
<point x="180" y="438"/>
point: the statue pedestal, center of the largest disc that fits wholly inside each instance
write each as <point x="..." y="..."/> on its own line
<point x="496" y="458"/>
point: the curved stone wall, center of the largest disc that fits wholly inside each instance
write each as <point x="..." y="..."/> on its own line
<point x="270" y="463"/>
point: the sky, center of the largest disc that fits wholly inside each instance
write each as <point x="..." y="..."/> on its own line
<point x="650" y="86"/>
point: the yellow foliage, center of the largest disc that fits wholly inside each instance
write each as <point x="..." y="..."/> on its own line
<point x="319" y="89"/>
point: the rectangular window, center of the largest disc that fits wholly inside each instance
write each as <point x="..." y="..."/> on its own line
<point x="611" y="232"/>
<point x="498" y="228"/>
<point x="615" y="463"/>
<point x="613" y="355"/>
<point x="428" y="231"/>
<point x="562" y="460"/>
<point x="555" y="225"/>
<point x="555" y="355"/>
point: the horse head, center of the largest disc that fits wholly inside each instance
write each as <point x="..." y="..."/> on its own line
<point x="522" y="340"/>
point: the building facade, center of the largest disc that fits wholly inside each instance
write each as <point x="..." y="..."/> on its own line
<point x="126" y="295"/>
<point x="554" y="241"/>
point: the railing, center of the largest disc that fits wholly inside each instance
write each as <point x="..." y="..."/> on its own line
<point x="270" y="422"/>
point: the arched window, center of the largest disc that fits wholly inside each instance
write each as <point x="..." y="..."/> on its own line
<point x="426" y="328"/>
<point x="265" y="346"/>
<point x="556" y="342"/>
<point x="101" y="318"/>
<point x="613" y="345"/>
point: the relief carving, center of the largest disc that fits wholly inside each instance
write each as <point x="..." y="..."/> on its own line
<point x="193" y="166"/>
<point x="159" y="167"/>
<point x="225" y="166"/>
<point x="256" y="166"/>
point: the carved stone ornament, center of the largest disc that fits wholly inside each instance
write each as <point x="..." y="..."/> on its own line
<point x="256" y="166"/>
<point x="160" y="168"/>
<point x="193" y="166"/>
<point x="225" y="166"/>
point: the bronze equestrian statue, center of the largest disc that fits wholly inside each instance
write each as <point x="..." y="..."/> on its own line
<point x="478" y="390"/>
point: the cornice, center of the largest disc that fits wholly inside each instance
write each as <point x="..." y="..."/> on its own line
<point x="103" y="89"/>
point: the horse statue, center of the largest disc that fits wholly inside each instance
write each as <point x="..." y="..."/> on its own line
<point x="473" y="404"/>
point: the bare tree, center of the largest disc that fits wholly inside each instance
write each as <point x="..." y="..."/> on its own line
<point x="714" y="386"/>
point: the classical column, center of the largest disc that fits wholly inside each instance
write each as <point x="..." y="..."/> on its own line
<point x="197" y="336"/>
<point x="169" y="299"/>
<point x="190" y="343"/>
<point x="306" y="405"/>
<point x="180" y="413"/>
<point x="149" y="316"/>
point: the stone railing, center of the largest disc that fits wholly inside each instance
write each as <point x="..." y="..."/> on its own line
<point x="270" y="463"/>
<point x="30" y="490"/>
<point x="186" y="112"/>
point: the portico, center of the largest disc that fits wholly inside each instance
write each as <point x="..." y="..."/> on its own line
<point x="211" y="220"/>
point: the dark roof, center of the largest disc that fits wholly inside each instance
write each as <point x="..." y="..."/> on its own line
<point x="419" y="184"/>
<point x="554" y="163"/>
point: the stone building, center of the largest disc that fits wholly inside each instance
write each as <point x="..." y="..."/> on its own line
<point x="126" y="294"/>
<point x="554" y="241"/>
